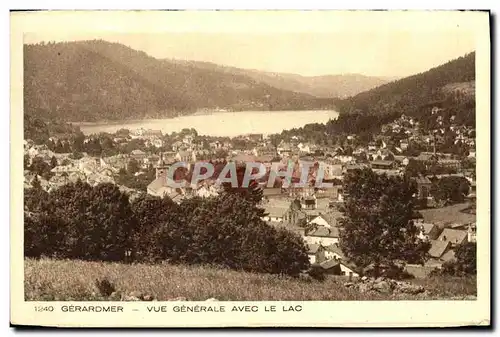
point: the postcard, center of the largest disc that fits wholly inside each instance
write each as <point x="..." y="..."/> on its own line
<point x="250" y="168"/>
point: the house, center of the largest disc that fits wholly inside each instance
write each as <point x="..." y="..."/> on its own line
<point x="186" y="156"/>
<point x="403" y="145"/>
<point x="327" y="220"/>
<point x="427" y="231"/>
<point x="188" y="139"/>
<point x="352" y="167"/>
<point x="451" y="163"/>
<point x="64" y="170"/>
<point x="215" y="145"/>
<point x="145" y="133"/>
<point x="295" y="218"/>
<point x="138" y="155"/>
<point x="207" y="191"/>
<point x="334" y="193"/>
<point x="274" y="214"/>
<point x="179" y="146"/>
<point x="309" y="203"/>
<point x="284" y="148"/>
<point x="338" y="267"/>
<point x="382" y="165"/>
<point x="295" y="190"/>
<point x="309" y="214"/>
<point x="439" y="252"/>
<point x="162" y="186"/>
<point x="331" y="171"/>
<point x="402" y="160"/>
<point x="385" y="154"/>
<point x="424" y="156"/>
<point x="322" y="235"/>
<point x="454" y="236"/>
<point x="337" y="263"/>
<point x="94" y="179"/>
<point x="117" y="162"/>
<point x="316" y="253"/>
<point x="242" y="158"/>
<point x="155" y="141"/>
<point x="255" y="137"/>
<point x="304" y="148"/>
<point x="472" y="191"/>
<point x="471" y="233"/>
<point x="423" y="186"/>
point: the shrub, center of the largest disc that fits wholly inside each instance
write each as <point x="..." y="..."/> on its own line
<point x="105" y="287"/>
<point x="463" y="264"/>
<point x="317" y="273"/>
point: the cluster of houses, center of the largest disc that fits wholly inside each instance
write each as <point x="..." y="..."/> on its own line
<point x="318" y="224"/>
<point x="414" y="133"/>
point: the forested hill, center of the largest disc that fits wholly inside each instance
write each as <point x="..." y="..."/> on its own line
<point x="448" y="85"/>
<point x="99" y="80"/>
<point x="326" y="86"/>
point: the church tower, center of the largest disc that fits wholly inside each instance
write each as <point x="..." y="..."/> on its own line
<point x="161" y="167"/>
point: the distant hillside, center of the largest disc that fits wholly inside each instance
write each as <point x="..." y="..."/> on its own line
<point x="465" y="88"/>
<point x="98" y="80"/>
<point x="450" y="85"/>
<point x="328" y="86"/>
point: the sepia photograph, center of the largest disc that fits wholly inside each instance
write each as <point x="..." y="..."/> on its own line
<point x="272" y="163"/>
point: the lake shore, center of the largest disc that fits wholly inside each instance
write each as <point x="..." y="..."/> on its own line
<point x="225" y="123"/>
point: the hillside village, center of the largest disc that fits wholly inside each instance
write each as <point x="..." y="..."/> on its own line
<point x="140" y="159"/>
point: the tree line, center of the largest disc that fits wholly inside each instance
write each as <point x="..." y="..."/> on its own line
<point x="78" y="221"/>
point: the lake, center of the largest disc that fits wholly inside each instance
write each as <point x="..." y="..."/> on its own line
<point x="228" y="124"/>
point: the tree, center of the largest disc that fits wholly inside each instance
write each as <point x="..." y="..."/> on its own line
<point x="26" y="161"/>
<point x="377" y="227"/>
<point x="464" y="262"/>
<point x="221" y="153"/>
<point x="40" y="167"/>
<point x="53" y="162"/>
<point x="78" y="140"/>
<point x="76" y="155"/>
<point x="450" y="189"/>
<point x="152" y="215"/>
<point x="466" y="257"/>
<point x="390" y="157"/>
<point x="133" y="166"/>
<point x="415" y="168"/>
<point x="36" y="183"/>
<point x="228" y="230"/>
<point x="58" y="147"/>
<point x="98" y="221"/>
<point x="123" y="132"/>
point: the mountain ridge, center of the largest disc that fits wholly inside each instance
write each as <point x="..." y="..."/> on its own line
<point x="321" y="86"/>
<point x="99" y="80"/>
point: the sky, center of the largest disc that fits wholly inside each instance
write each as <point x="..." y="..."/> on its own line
<point x="306" y="43"/>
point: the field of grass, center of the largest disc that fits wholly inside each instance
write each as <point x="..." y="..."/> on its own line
<point x="65" y="280"/>
<point x="449" y="214"/>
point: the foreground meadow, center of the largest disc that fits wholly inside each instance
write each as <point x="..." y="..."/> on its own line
<point x="66" y="280"/>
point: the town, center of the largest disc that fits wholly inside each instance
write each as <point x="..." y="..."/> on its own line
<point x="432" y="157"/>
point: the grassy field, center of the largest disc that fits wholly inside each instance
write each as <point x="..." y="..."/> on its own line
<point x="449" y="214"/>
<point x="65" y="280"/>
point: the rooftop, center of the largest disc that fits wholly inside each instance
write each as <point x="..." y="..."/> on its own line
<point x="453" y="236"/>
<point x="438" y="248"/>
